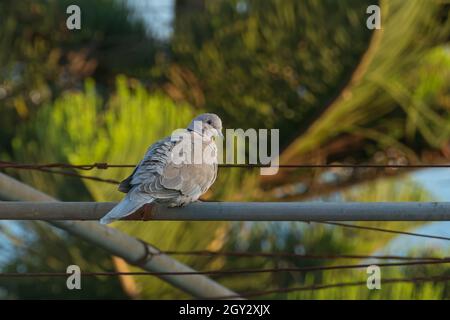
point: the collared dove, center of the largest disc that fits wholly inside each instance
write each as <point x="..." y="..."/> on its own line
<point x="165" y="176"/>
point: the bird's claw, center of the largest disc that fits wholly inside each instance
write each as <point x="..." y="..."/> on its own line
<point x="147" y="211"/>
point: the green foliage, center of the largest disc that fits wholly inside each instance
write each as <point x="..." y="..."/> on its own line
<point x="422" y="98"/>
<point x="40" y="248"/>
<point x="398" y="99"/>
<point x="393" y="291"/>
<point x="427" y="290"/>
<point x="274" y="64"/>
<point x="40" y="57"/>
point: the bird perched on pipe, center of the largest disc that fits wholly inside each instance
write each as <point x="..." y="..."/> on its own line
<point x="175" y="171"/>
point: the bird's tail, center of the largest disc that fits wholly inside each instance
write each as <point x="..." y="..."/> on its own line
<point x="126" y="207"/>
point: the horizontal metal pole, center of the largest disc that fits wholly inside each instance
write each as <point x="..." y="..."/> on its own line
<point x="114" y="241"/>
<point x="237" y="211"/>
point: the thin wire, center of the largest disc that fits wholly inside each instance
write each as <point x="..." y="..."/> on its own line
<point x="393" y="166"/>
<point x="48" y="168"/>
<point x="226" y="272"/>
<point x="250" y="293"/>
<point x="104" y="165"/>
<point x="334" y="285"/>
<point x="241" y="254"/>
<point x="353" y="226"/>
<point x="96" y="165"/>
<point x="82" y="176"/>
<point x="294" y="255"/>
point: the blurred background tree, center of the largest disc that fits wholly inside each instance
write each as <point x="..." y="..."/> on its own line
<point x="290" y="58"/>
<point x="338" y="92"/>
<point x="40" y="58"/>
<point x="37" y="247"/>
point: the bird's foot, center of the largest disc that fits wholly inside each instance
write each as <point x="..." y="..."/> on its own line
<point x="176" y="205"/>
<point x="147" y="211"/>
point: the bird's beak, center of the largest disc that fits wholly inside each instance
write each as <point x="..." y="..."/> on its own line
<point x="220" y="133"/>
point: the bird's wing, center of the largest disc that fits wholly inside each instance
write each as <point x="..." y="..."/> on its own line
<point x="125" y="185"/>
<point x="146" y="173"/>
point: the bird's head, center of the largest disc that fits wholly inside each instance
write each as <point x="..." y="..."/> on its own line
<point x="207" y="124"/>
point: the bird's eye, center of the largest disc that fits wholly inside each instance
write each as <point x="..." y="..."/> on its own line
<point x="209" y="122"/>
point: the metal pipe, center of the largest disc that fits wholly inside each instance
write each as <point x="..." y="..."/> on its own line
<point x="116" y="242"/>
<point x="237" y="211"/>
